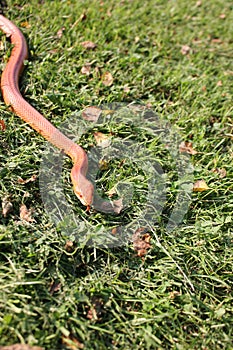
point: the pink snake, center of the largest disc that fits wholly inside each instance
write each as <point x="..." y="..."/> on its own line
<point x="83" y="188"/>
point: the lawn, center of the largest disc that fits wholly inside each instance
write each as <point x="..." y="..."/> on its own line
<point x="156" y="273"/>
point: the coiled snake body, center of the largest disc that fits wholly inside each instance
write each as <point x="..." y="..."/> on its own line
<point x="83" y="188"/>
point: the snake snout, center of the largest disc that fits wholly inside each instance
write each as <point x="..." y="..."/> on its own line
<point x="83" y="188"/>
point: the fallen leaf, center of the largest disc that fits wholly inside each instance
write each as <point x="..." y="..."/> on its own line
<point x="110" y="207"/>
<point x="141" y="241"/>
<point x="2" y="124"/>
<point x="71" y="342"/>
<point x="220" y="171"/>
<point x="31" y="179"/>
<point x="185" y="49"/>
<point x="53" y="51"/>
<point x="91" y="113"/>
<point x="91" y="314"/>
<point x="112" y="192"/>
<point x="109" y="13"/>
<point x="200" y="186"/>
<point x="25" y="25"/>
<point x="89" y="45"/>
<point x="7" y="206"/>
<point x="25" y="213"/>
<point x="204" y="88"/>
<point x="69" y="246"/>
<point x="197" y="41"/>
<point x="102" y="140"/>
<point x="60" y="32"/>
<point x="97" y="71"/>
<point x="107" y="79"/>
<point x="26" y="195"/>
<point x="174" y="294"/>
<point x="86" y="69"/>
<point x="118" y="205"/>
<point x="198" y="3"/>
<point x="216" y="40"/>
<point x="186" y="147"/>
<point x="219" y="83"/>
<point x="103" y="164"/>
<point x="95" y="311"/>
<point x="116" y="230"/>
<point x="228" y="72"/>
<point x="54" y="287"/>
<point x="126" y="88"/>
<point x="222" y="16"/>
<point x="20" y="347"/>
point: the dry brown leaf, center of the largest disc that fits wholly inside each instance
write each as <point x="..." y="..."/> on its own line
<point x="91" y="113"/>
<point x="112" y="207"/>
<point x="7" y="206"/>
<point x="174" y="294"/>
<point x="219" y="83"/>
<point x="69" y="246"/>
<point x="72" y="343"/>
<point x="20" y="347"/>
<point x="185" y="49"/>
<point x="141" y="241"/>
<point x="97" y="71"/>
<point x="53" y="51"/>
<point x="186" y="147"/>
<point x="216" y="40"/>
<point x="102" y="140"/>
<point x="31" y="179"/>
<point x="117" y="205"/>
<point x="25" y="25"/>
<point x="112" y="192"/>
<point x="95" y="311"/>
<point x="86" y="69"/>
<point x="91" y="314"/>
<point x="103" y="164"/>
<point x="89" y="45"/>
<point x="222" y="16"/>
<point x="2" y="124"/>
<point x="228" y="72"/>
<point x="107" y="79"/>
<point x="220" y="171"/>
<point x="54" y="287"/>
<point x="126" y="88"/>
<point x="200" y="186"/>
<point x="25" y="213"/>
<point x="60" y="32"/>
<point x="109" y="13"/>
<point x="116" y="230"/>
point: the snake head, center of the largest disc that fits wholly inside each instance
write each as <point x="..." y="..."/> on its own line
<point x="83" y="188"/>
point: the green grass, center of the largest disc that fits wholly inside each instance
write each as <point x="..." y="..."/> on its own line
<point x="180" y="295"/>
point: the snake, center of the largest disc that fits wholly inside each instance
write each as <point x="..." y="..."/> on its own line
<point x="82" y="187"/>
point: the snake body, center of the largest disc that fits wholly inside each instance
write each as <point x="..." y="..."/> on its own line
<point x="83" y="188"/>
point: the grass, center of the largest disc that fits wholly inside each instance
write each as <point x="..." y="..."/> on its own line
<point x="180" y="295"/>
